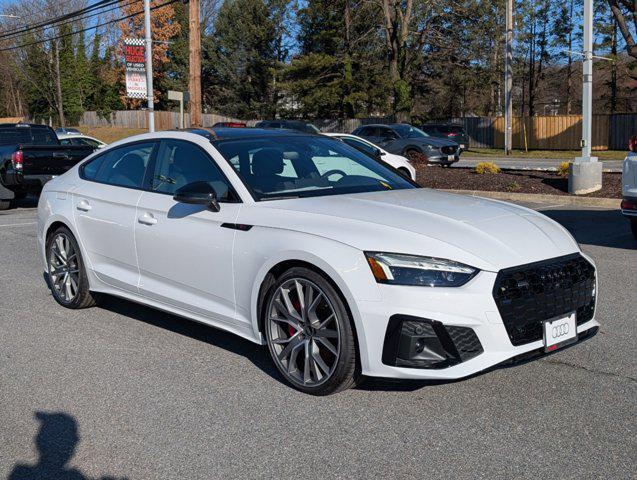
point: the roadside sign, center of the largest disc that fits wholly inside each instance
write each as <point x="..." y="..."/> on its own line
<point x="134" y="56"/>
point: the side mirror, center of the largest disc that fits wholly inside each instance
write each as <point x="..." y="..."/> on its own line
<point x="198" y="193"/>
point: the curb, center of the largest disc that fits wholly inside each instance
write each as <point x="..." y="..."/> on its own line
<point x="536" y="169"/>
<point x="611" y="203"/>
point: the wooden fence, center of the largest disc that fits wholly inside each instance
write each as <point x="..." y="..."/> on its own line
<point x="558" y="132"/>
<point x="139" y="119"/>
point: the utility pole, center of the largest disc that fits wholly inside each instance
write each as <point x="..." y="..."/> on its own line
<point x="149" y="67"/>
<point x="194" y="77"/>
<point x="508" y="80"/>
<point x="585" y="173"/>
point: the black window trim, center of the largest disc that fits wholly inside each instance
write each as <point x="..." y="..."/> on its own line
<point x="150" y="170"/>
<point x="153" y="153"/>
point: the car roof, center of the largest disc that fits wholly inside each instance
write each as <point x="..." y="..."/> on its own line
<point x="226" y="133"/>
<point x="20" y="124"/>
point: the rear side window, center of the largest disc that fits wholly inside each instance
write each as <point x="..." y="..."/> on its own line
<point x="124" y="166"/>
<point x="28" y="136"/>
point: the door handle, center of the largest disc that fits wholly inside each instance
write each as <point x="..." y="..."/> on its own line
<point x="147" y="219"/>
<point x="83" y="206"/>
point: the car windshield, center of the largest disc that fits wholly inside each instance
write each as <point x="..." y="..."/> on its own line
<point x="407" y="131"/>
<point x="306" y="166"/>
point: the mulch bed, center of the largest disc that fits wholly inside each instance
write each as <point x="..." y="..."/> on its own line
<point x="515" y="181"/>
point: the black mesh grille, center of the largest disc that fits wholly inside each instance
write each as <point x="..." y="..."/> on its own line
<point x="448" y="150"/>
<point x="466" y="342"/>
<point x="530" y="294"/>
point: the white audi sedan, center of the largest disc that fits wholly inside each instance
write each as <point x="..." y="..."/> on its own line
<point x="399" y="162"/>
<point x="342" y="266"/>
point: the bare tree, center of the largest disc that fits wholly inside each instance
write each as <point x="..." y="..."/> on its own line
<point x="623" y="11"/>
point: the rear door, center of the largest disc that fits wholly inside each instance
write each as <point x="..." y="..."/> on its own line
<point x="105" y="211"/>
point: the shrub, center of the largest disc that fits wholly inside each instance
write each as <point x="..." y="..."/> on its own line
<point x="487" y="167"/>
<point x="513" y="187"/>
<point x="562" y="170"/>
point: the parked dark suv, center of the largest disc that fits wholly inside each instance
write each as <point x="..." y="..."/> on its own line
<point x="297" y="125"/>
<point x="450" y="131"/>
<point x="411" y="142"/>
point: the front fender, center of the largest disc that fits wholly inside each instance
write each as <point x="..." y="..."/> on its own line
<point x="260" y="249"/>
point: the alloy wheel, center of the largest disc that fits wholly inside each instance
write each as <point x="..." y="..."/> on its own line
<point x="303" y="332"/>
<point x="64" y="271"/>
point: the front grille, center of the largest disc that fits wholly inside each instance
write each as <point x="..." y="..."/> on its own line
<point x="530" y="294"/>
<point x="448" y="150"/>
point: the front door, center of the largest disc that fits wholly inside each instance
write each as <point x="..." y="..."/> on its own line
<point x="104" y="206"/>
<point x="185" y="251"/>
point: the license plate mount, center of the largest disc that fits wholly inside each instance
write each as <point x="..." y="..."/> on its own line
<point x="559" y="332"/>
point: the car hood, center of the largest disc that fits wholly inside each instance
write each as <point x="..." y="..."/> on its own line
<point x="486" y="234"/>
<point x="433" y="141"/>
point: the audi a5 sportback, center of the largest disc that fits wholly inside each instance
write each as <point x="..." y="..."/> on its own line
<point x="339" y="264"/>
<point x="411" y="142"/>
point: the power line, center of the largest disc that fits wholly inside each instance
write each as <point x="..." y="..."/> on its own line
<point x="80" y="18"/>
<point x="66" y="16"/>
<point x="87" y="28"/>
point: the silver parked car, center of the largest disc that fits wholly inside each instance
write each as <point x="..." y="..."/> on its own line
<point x="411" y="142"/>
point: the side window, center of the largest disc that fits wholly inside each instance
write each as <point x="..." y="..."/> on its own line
<point x="180" y="163"/>
<point x="65" y="141"/>
<point x="362" y="146"/>
<point x="386" y="133"/>
<point x="123" y="166"/>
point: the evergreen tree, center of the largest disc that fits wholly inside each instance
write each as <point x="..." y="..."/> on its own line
<point x="70" y="77"/>
<point x="241" y="59"/>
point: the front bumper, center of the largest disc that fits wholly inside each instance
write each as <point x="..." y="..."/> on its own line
<point x="440" y="159"/>
<point x="470" y="307"/>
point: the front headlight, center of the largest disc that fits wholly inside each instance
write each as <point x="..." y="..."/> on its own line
<point x="401" y="269"/>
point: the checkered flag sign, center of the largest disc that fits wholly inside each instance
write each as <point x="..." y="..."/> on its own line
<point x="134" y="55"/>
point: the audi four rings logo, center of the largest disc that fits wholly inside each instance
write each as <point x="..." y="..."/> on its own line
<point x="560" y="330"/>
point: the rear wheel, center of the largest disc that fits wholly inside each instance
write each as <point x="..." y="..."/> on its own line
<point x="66" y="272"/>
<point x="309" y="333"/>
<point x="5" y="204"/>
<point x="633" y="227"/>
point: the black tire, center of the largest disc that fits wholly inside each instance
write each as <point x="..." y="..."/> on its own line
<point x="345" y="370"/>
<point x="83" y="297"/>
<point x="415" y="156"/>
<point x="633" y="227"/>
<point x="20" y="195"/>
<point x="5" y="204"/>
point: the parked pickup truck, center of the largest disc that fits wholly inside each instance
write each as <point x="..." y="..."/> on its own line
<point x="30" y="155"/>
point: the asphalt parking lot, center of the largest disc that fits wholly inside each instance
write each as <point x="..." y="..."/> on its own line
<point x="125" y="391"/>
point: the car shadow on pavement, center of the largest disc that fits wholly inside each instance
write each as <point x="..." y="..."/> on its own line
<point x="603" y="228"/>
<point x="257" y="354"/>
<point x="56" y="442"/>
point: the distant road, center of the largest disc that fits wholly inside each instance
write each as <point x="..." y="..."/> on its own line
<point x="529" y="163"/>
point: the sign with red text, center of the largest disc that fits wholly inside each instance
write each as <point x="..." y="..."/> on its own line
<point x="135" y="59"/>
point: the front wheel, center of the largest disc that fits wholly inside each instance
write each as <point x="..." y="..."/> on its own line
<point x="416" y="156"/>
<point x="66" y="272"/>
<point x="5" y="204"/>
<point x="309" y="333"/>
<point x="633" y="227"/>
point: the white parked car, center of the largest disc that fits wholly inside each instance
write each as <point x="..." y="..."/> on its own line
<point x="340" y="275"/>
<point x="629" y="190"/>
<point x="399" y="162"/>
<point x="79" y="139"/>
